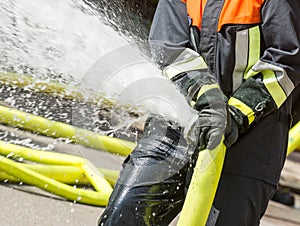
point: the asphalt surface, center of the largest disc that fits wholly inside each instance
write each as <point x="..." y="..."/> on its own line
<point x="28" y="205"/>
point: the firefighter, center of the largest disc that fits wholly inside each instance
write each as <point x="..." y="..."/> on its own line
<point x="237" y="63"/>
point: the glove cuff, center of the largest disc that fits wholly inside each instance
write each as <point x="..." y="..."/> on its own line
<point x="190" y="74"/>
<point x="250" y="103"/>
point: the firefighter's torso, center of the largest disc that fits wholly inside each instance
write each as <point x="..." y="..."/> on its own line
<point x="227" y="34"/>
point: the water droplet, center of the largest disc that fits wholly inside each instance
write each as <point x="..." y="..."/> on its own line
<point x="10" y="155"/>
<point x="78" y="198"/>
<point x="153" y="214"/>
<point x="165" y="192"/>
<point x="46" y="185"/>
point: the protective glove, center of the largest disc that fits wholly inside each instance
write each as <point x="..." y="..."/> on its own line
<point x="231" y="131"/>
<point x="203" y="93"/>
<point x="249" y="103"/>
<point x="191" y="76"/>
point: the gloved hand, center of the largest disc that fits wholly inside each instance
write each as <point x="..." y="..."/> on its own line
<point x="203" y="93"/>
<point x="231" y="131"/>
<point x="250" y="102"/>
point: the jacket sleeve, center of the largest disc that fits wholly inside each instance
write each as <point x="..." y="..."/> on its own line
<point x="169" y="33"/>
<point x="276" y="74"/>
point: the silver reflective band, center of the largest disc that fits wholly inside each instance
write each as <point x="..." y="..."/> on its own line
<point x="188" y="60"/>
<point x="276" y="81"/>
<point x="241" y="58"/>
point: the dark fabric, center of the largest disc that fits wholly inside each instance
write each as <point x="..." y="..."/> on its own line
<point x="151" y="187"/>
<point x="208" y="34"/>
<point x="241" y="201"/>
<point x="261" y="152"/>
<point x="172" y="26"/>
<point x="281" y="37"/>
<point x="256" y="97"/>
<point x="189" y="83"/>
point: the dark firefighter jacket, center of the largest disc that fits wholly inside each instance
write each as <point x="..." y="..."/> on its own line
<point x="238" y="40"/>
<point x="252" y="28"/>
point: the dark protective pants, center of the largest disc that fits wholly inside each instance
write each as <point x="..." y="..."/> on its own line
<point x="151" y="187"/>
<point x="154" y="179"/>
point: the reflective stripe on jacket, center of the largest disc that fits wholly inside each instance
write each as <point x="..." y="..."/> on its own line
<point x="249" y="38"/>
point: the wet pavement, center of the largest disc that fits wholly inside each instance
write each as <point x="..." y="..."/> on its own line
<point x="28" y="205"/>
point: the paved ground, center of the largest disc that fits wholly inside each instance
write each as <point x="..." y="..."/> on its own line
<point x="24" y="205"/>
<point x="30" y="206"/>
<point x="27" y="205"/>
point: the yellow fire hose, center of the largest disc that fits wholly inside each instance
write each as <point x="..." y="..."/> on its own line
<point x="51" y="87"/>
<point x="55" y="129"/>
<point x="27" y="175"/>
<point x="53" y="186"/>
<point x="206" y="177"/>
<point x="65" y="174"/>
<point x="294" y="138"/>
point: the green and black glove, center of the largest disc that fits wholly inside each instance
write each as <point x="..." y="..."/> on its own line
<point x="249" y="103"/>
<point x="191" y="76"/>
<point x="203" y="94"/>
